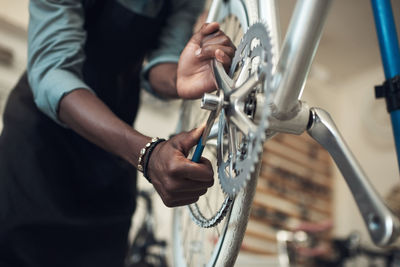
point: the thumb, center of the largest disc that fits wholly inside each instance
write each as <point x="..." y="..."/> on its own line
<point x="190" y="139"/>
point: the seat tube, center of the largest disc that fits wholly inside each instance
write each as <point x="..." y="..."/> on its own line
<point x="389" y="47"/>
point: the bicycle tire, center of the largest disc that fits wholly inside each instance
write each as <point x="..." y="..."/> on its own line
<point x="242" y="13"/>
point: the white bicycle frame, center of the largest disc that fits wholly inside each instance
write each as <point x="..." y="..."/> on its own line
<point x="290" y="115"/>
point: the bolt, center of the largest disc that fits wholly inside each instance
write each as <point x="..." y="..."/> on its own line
<point x="210" y="102"/>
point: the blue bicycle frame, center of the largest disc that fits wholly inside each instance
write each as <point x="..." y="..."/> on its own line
<point x="389" y="47"/>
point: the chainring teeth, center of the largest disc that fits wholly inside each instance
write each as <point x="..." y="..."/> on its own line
<point x="232" y="184"/>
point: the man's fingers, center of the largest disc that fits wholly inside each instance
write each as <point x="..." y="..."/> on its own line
<point x="209" y="28"/>
<point x="225" y="54"/>
<point x="205" y="173"/>
<point x="224" y="59"/>
<point x="182" y="202"/>
<point x="218" y="37"/>
<point x="188" y="176"/>
<point x="192" y="171"/>
<point x="213" y="42"/>
<point x="206" y="29"/>
<point x="173" y="199"/>
<point x="186" y="185"/>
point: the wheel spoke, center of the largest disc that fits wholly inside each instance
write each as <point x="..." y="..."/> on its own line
<point x="185" y="234"/>
<point x="230" y="26"/>
<point x="209" y="206"/>
<point x="237" y="37"/>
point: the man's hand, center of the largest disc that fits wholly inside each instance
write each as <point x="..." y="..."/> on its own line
<point x="194" y="76"/>
<point x="178" y="180"/>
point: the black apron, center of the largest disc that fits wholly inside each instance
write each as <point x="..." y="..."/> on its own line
<point x="63" y="200"/>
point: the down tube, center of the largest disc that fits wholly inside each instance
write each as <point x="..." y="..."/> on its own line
<point x="389" y="47"/>
<point x="298" y="50"/>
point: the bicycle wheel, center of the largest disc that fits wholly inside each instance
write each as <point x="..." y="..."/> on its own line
<point x="218" y="245"/>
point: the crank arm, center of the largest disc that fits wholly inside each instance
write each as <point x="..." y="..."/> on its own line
<point x="382" y="225"/>
<point x="214" y="103"/>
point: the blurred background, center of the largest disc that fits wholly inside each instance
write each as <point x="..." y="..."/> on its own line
<point x="346" y="69"/>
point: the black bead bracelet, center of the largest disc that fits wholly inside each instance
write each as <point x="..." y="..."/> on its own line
<point x="147" y="158"/>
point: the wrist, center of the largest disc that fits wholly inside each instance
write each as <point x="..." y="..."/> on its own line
<point x="155" y="142"/>
<point x="162" y="78"/>
<point x="144" y="152"/>
<point x="134" y="142"/>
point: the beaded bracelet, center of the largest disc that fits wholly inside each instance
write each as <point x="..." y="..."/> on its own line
<point x="146" y="160"/>
<point x="143" y="152"/>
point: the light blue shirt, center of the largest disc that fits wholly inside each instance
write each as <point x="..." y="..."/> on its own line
<point x="56" y="39"/>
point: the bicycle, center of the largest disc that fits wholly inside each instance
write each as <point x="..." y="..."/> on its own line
<point x="259" y="98"/>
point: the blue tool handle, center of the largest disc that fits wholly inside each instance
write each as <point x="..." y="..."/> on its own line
<point x="199" y="151"/>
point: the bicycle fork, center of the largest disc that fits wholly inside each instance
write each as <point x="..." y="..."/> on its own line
<point x="383" y="226"/>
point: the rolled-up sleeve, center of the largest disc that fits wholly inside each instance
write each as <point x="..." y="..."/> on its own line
<point x="56" y="38"/>
<point x="175" y="35"/>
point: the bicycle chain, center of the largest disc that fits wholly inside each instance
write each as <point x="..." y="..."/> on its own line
<point x="203" y="222"/>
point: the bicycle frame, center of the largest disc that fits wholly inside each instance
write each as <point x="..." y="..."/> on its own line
<point x="389" y="46"/>
<point x="290" y="115"/>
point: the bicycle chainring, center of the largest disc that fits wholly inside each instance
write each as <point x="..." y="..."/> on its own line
<point x="243" y="122"/>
